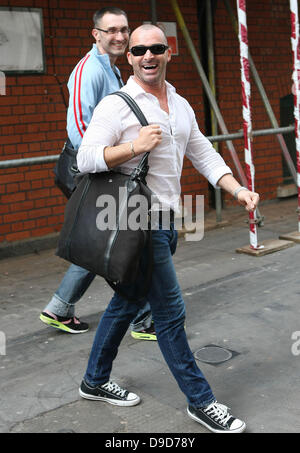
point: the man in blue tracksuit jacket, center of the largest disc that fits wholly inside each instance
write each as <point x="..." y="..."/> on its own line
<point x="91" y="80"/>
<point x="94" y="77"/>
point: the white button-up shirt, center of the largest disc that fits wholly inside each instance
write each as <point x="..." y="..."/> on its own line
<point x="113" y="123"/>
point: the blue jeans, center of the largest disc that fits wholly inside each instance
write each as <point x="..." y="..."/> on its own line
<point x="168" y="311"/>
<point x="73" y="286"/>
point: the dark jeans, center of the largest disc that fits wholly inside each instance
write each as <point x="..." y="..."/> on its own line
<point x="168" y="311"/>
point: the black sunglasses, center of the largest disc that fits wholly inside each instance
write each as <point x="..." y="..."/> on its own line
<point x="155" y="49"/>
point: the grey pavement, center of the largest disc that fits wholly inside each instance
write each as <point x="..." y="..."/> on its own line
<point x="247" y="306"/>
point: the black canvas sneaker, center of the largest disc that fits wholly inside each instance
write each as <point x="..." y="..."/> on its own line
<point x="216" y="418"/>
<point x="109" y="392"/>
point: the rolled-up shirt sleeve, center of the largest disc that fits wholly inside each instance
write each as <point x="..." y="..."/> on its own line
<point x="104" y="130"/>
<point x="204" y="157"/>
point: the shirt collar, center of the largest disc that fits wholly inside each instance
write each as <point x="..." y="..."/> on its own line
<point x="103" y="58"/>
<point x="134" y="89"/>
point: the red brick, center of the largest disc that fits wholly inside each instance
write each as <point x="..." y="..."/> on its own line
<point x="36" y="213"/>
<point x="11" y="188"/>
<point x="5" y="199"/>
<point x="38" y="174"/>
<point x="17" y="236"/>
<point x="40" y="193"/>
<point x="41" y="231"/>
<point x="4" y="208"/>
<point x="22" y="206"/>
<point x="5" y="229"/>
<point x="15" y="217"/>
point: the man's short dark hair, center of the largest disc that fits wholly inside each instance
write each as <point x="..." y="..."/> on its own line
<point x="109" y="9"/>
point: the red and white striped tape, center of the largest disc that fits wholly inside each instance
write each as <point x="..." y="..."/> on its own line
<point x="296" y="81"/>
<point x="247" y="123"/>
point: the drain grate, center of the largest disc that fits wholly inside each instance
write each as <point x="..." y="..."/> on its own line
<point x="214" y="354"/>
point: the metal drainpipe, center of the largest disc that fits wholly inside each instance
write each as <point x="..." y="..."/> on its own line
<point x="265" y="100"/>
<point x="153" y="12"/>
<point x="212" y="82"/>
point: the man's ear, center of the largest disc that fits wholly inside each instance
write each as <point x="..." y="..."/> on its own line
<point x="169" y="54"/>
<point x="129" y="56"/>
<point x="94" y="33"/>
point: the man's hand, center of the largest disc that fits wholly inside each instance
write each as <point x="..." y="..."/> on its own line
<point x="149" y="137"/>
<point x="244" y="196"/>
<point x="248" y="199"/>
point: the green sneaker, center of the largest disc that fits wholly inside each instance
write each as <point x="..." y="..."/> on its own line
<point x="147" y="334"/>
<point x="70" y="325"/>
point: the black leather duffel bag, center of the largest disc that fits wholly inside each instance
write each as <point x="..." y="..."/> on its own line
<point x="106" y="242"/>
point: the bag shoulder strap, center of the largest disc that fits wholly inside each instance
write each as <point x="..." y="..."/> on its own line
<point x="133" y="105"/>
<point x="142" y="119"/>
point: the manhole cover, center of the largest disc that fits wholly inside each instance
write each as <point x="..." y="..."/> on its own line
<point x="213" y="354"/>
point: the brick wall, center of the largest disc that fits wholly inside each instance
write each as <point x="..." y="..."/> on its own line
<point x="33" y="111"/>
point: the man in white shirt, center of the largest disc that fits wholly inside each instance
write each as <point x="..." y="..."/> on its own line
<point x="115" y="139"/>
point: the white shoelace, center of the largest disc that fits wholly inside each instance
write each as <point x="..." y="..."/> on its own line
<point x="218" y="412"/>
<point x="114" y="388"/>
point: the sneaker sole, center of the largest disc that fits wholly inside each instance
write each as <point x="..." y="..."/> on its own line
<point x="143" y="336"/>
<point x="59" y="325"/>
<point x="110" y="401"/>
<point x="217" y="431"/>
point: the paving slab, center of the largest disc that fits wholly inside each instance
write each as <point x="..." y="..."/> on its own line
<point x="292" y="236"/>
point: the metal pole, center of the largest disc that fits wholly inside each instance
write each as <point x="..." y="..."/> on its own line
<point x="258" y="133"/>
<point x="207" y="88"/>
<point x="13" y="163"/>
<point x="212" y="82"/>
<point x="265" y="99"/>
<point x="246" y="96"/>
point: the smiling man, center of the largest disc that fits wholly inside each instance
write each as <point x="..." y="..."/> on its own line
<point x="111" y="34"/>
<point x="96" y="75"/>
<point x="115" y="139"/>
<point x="149" y="60"/>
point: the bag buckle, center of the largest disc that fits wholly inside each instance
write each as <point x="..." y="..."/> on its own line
<point x="139" y="173"/>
